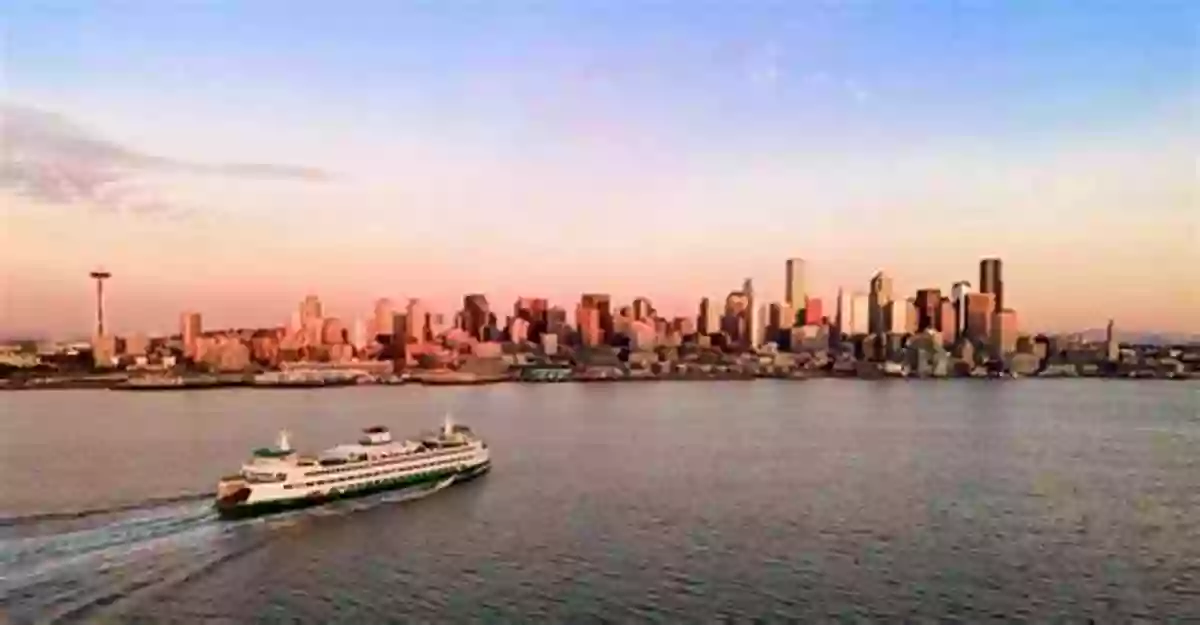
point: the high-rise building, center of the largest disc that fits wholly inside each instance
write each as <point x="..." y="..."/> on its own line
<point x="813" y="311"/>
<point x="310" y="309"/>
<point x="948" y="321"/>
<point x="881" y="296"/>
<point x="780" y="318"/>
<point x="842" y="319"/>
<point x="707" y="322"/>
<point x="929" y="309"/>
<point x="794" y="287"/>
<point x="587" y="317"/>
<point x="382" y="321"/>
<point x="1112" y="348"/>
<point x="912" y="316"/>
<point x="602" y="303"/>
<point x="753" y="315"/>
<point x="896" y="316"/>
<point x="860" y="314"/>
<point x="735" y="321"/>
<point x="642" y="309"/>
<point x="978" y="325"/>
<point x="1004" y="332"/>
<point x="475" y="315"/>
<point x="190" y="330"/>
<point x="958" y="294"/>
<point x="991" y="280"/>
<point x="417" y="322"/>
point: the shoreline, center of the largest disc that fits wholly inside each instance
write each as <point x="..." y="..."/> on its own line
<point x="97" y="383"/>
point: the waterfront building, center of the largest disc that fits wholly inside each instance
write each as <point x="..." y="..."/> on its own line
<point x="1004" y="332"/>
<point x="707" y="321"/>
<point x="332" y="331"/>
<point x="880" y="297"/>
<point x="190" y="329"/>
<point x="991" y="281"/>
<point x="929" y="309"/>
<point x="475" y="315"/>
<point x="947" y="321"/>
<point x="587" y="318"/>
<point x="895" y="315"/>
<point x="978" y="324"/>
<point x="384" y="309"/>
<point x="842" y="320"/>
<point x="602" y="304"/>
<point x="416" y="327"/>
<point x="794" y="286"/>
<point x="813" y="312"/>
<point x="860" y="314"/>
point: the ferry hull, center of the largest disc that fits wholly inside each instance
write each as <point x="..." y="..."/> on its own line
<point x="234" y="505"/>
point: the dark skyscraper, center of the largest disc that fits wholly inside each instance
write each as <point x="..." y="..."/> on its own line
<point x="929" y="309"/>
<point x="991" y="280"/>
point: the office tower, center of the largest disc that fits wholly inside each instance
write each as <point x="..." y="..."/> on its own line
<point x="842" y="319"/>
<point x="382" y="321"/>
<point x="991" y="280"/>
<point x="912" y="316"/>
<point x="310" y="309"/>
<point x="794" y="288"/>
<point x="734" y="323"/>
<point x="1112" y="348"/>
<point x="602" y="303"/>
<point x="417" y="322"/>
<point x="860" y="313"/>
<point x="948" y="321"/>
<point x="475" y="315"/>
<point x="929" y="309"/>
<point x="753" y="325"/>
<point x="958" y="293"/>
<point x="189" y="331"/>
<point x="100" y="276"/>
<point x="813" y="311"/>
<point x="881" y="296"/>
<point x="978" y="325"/>
<point x="707" y="322"/>
<point x="1004" y="333"/>
<point x="587" y="317"/>
<point x="641" y="309"/>
<point x="896" y="316"/>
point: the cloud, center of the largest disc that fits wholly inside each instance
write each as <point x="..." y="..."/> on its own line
<point x="47" y="157"/>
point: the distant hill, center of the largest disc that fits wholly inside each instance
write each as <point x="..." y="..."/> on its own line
<point x="1142" y="338"/>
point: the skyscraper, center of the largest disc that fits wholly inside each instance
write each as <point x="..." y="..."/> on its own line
<point x="881" y="296"/>
<point x="991" y="280"/>
<point x="794" y="289"/>
<point x="752" y="315"/>
<point x="189" y="331"/>
<point x="475" y="315"/>
<point x="929" y="309"/>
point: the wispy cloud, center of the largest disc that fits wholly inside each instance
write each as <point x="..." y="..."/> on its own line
<point x="47" y="157"/>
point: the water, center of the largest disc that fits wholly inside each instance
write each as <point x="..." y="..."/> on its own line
<point x="818" y="501"/>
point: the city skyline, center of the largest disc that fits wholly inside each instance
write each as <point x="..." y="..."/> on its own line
<point x="408" y="151"/>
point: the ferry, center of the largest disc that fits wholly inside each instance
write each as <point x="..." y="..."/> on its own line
<point x="279" y="478"/>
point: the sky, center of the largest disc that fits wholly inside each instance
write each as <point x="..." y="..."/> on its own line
<point x="232" y="157"/>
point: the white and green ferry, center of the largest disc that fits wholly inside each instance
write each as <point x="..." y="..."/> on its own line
<point x="279" y="478"/>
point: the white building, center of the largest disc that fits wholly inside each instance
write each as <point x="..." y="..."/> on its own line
<point x="860" y="313"/>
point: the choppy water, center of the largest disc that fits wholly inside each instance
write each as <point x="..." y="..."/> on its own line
<point x="819" y="501"/>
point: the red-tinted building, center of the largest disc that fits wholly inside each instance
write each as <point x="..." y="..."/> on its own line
<point x="929" y="309"/>
<point x="979" y="312"/>
<point x="475" y="314"/>
<point x="813" y="311"/>
<point x="588" y="320"/>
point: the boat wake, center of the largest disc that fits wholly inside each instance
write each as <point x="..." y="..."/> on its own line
<point x="78" y="567"/>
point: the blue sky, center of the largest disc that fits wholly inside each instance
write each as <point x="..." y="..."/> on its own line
<point x="679" y="121"/>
